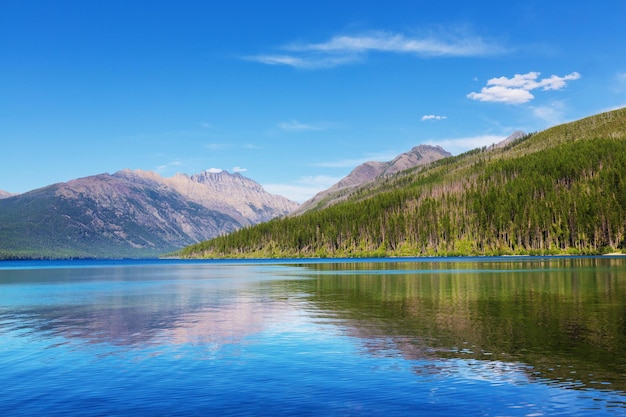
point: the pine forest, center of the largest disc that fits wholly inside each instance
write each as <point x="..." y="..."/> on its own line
<point x="559" y="191"/>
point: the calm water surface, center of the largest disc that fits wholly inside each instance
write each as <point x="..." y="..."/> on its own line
<point x="428" y="337"/>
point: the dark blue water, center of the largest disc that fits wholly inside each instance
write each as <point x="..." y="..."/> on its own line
<point x="305" y="338"/>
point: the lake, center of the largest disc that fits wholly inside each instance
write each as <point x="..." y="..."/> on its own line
<point x="511" y="336"/>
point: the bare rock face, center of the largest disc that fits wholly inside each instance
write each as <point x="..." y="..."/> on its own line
<point x="419" y="155"/>
<point x="233" y="194"/>
<point x="133" y="213"/>
<point x="246" y="196"/>
<point x="370" y="171"/>
<point x="365" y="172"/>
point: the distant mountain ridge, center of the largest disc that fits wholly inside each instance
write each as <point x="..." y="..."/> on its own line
<point x="131" y="214"/>
<point x="370" y="171"/>
<point x="237" y="196"/>
<point x="5" y="194"/>
<point x="559" y="191"/>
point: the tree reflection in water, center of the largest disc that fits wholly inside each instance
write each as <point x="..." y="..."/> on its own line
<point x="563" y="320"/>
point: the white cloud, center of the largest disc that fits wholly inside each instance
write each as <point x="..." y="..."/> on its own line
<point x="239" y="169"/>
<point x="499" y="94"/>
<point x="306" y="61"/>
<point x="347" y="49"/>
<point x="557" y="83"/>
<point x="399" y="43"/>
<point x="303" y="188"/>
<point x="295" y="125"/>
<point x="214" y="170"/>
<point x="516" y="90"/>
<point x="433" y="117"/>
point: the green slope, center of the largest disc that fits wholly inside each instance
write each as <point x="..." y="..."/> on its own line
<point x="562" y="190"/>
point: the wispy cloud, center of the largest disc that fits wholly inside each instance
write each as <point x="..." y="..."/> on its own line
<point x="239" y="169"/>
<point x="552" y="114"/>
<point x="517" y="90"/>
<point x="348" y="49"/>
<point x="294" y="125"/>
<point x="399" y="43"/>
<point x="433" y="117"/>
<point x="168" y="165"/>
<point x="310" y="61"/>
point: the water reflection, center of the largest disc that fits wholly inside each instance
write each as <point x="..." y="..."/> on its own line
<point x="137" y="307"/>
<point x="462" y="326"/>
<point x="564" y="319"/>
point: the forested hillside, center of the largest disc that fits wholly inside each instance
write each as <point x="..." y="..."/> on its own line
<point x="562" y="190"/>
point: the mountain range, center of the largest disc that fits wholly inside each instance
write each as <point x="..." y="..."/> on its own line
<point x="559" y="191"/>
<point x="131" y="214"/>
<point x="138" y="213"/>
<point x="562" y="190"/>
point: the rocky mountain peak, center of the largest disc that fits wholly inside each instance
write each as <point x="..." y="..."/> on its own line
<point x="369" y="171"/>
<point x="217" y="179"/>
<point x="138" y="213"/>
<point x="418" y="155"/>
<point x="240" y="197"/>
<point x="361" y="174"/>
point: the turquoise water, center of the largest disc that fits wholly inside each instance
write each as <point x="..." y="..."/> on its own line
<point x="434" y="337"/>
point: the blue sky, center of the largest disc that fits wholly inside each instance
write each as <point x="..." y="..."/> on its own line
<point x="293" y="94"/>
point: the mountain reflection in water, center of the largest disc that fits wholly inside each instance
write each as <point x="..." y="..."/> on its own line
<point x="328" y="337"/>
<point x="149" y="311"/>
